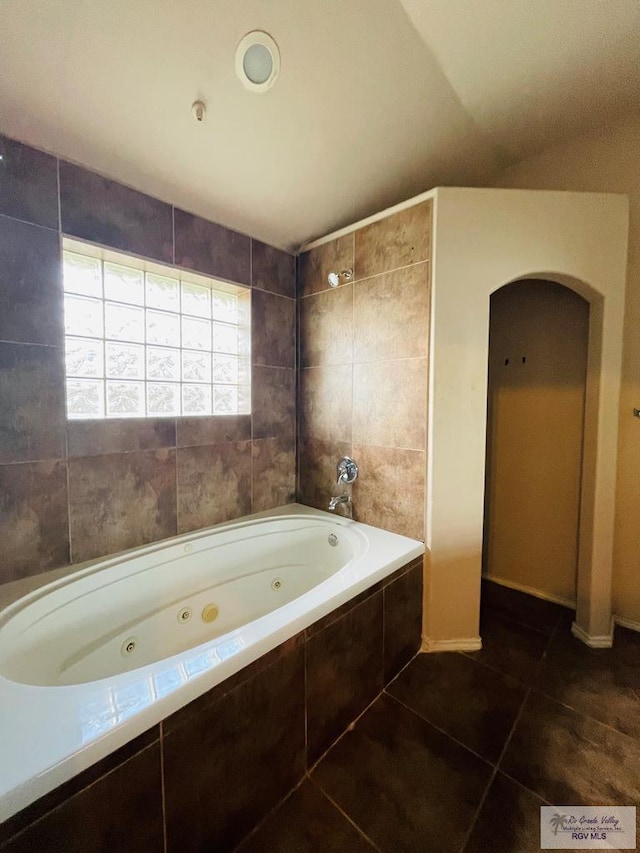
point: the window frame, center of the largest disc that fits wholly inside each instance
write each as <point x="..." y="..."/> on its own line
<point x="242" y="382"/>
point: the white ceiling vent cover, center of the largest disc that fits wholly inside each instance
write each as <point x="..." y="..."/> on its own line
<point x="257" y="61"/>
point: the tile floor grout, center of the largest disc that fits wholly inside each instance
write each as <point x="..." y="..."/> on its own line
<point x="502" y="789"/>
<point x="353" y="723"/>
<point x="496" y="768"/>
<point x="438" y="729"/>
<point x="493" y="668"/>
<point x="309" y="770"/>
<point x="539" y="690"/>
<point x="341" y="811"/>
<point x="272" y="811"/>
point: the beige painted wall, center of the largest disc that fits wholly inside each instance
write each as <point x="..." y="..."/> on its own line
<point x="608" y="162"/>
<point x="538" y="338"/>
<point x="483" y="240"/>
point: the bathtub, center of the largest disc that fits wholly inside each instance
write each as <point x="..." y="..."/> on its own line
<point x="97" y="656"/>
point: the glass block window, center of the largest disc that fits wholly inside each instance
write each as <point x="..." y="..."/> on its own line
<point x="144" y="340"/>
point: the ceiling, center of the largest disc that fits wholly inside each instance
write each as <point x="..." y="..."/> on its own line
<point x="377" y="100"/>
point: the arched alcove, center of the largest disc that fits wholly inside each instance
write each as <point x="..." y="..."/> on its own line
<point x="485" y="239"/>
<point x="538" y="346"/>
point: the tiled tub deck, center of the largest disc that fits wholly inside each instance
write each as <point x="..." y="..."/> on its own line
<point x="207" y="775"/>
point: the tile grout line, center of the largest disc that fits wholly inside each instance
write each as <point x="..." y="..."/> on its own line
<point x="392" y="271"/>
<point x="173" y="234"/>
<point x="368" y="362"/>
<point x="525" y="787"/>
<point x="62" y="345"/>
<point x="493" y="775"/>
<point x="350" y="728"/>
<point x="306" y="706"/>
<point x="402" y="669"/>
<point x="348" y="612"/>
<point x="162" y="789"/>
<point x="495" y="771"/>
<point x="297" y="381"/>
<point x="32" y="344"/>
<point x="437" y="728"/>
<point x="269" y="814"/>
<point x="251" y="368"/>
<point x="356" y="280"/>
<point x="538" y="690"/>
<point x="352" y="724"/>
<point x="344" y="814"/>
<point x="495" y="669"/>
<point x="384" y="633"/>
<point x="353" y="256"/>
<point x="270" y="292"/>
<point x="266" y="367"/>
<point x="53" y="228"/>
<point x="353" y="350"/>
<point x="63" y="803"/>
<point x="35" y="461"/>
<point x="176" y="479"/>
<point x="583" y="714"/>
<point x="296" y="368"/>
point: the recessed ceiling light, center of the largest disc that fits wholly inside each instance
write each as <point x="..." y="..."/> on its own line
<point x="257" y="61"/>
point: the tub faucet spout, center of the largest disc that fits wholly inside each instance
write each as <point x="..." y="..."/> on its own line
<point x="336" y="500"/>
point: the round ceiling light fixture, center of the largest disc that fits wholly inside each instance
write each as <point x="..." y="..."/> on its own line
<point x="257" y="61"/>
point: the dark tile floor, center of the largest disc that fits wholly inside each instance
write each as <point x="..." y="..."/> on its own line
<point x="461" y="750"/>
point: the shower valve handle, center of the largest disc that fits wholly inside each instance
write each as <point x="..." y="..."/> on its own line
<point x="347" y="470"/>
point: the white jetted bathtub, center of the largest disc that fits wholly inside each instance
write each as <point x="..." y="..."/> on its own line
<point x="94" y="658"/>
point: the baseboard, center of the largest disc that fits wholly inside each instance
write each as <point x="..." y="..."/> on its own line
<point x="603" y="642"/>
<point x="529" y="590"/>
<point x="594" y="641"/>
<point x="459" y="644"/>
<point x="626" y="623"/>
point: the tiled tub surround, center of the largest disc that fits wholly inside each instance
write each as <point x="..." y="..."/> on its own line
<point x="209" y="773"/>
<point x="73" y="491"/>
<point x="462" y="749"/>
<point x="363" y="359"/>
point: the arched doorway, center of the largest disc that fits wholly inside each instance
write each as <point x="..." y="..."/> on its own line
<point x="538" y="352"/>
<point x="484" y="239"/>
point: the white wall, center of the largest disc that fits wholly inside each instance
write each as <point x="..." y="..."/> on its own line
<point x="609" y="161"/>
<point x="484" y="239"/>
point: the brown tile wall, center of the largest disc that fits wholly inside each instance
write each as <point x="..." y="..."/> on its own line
<point x="73" y="491"/>
<point x="363" y="359"/>
<point x="208" y="774"/>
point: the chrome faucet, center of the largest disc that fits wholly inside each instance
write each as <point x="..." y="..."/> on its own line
<point x="336" y="500"/>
